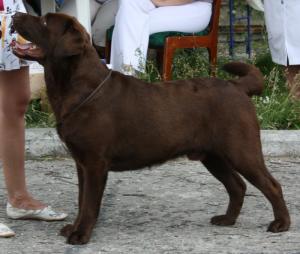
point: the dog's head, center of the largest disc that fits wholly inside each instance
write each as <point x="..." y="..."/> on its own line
<point x="53" y="35"/>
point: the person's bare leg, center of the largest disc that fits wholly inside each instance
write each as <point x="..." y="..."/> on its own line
<point x="14" y="97"/>
<point x="292" y="71"/>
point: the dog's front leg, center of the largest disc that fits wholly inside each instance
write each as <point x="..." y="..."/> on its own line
<point x="69" y="228"/>
<point x="94" y="181"/>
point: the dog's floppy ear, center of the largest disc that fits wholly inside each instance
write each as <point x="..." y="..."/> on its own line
<point x="71" y="43"/>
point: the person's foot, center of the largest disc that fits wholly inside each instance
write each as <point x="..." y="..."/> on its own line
<point x="26" y="202"/>
<point x="128" y="70"/>
<point x="5" y="231"/>
<point x="26" y="207"/>
<point x="46" y="214"/>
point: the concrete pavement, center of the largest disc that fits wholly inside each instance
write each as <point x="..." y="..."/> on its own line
<point x="165" y="210"/>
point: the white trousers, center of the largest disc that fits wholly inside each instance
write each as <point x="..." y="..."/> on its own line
<point x="137" y="19"/>
<point x="70" y="8"/>
<point x="102" y="17"/>
<point x="282" y="21"/>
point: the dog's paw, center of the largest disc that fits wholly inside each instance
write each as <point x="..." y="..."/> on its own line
<point x="67" y="230"/>
<point x="78" y="238"/>
<point x="277" y="226"/>
<point x="222" y="220"/>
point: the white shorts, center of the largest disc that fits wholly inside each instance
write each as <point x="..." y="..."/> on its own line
<point x="8" y="61"/>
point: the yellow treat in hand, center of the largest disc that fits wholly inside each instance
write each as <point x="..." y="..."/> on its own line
<point x="21" y="40"/>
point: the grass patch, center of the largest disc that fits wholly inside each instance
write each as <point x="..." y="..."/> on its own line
<point x="36" y="118"/>
<point x="275" y="108"/>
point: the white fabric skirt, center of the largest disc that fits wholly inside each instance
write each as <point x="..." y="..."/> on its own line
<point x="8" y="61"/>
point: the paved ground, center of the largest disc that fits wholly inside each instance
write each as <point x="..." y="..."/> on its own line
<point x="163" y="210"/>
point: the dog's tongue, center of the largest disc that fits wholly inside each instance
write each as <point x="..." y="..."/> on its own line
<point x="27" y="49"/>
<point x="23" y="46"/>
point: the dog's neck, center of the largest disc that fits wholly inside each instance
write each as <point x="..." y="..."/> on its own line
<point x="64" y="77"/>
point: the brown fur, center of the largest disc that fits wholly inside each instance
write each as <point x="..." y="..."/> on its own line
<point x="131" y="124"/>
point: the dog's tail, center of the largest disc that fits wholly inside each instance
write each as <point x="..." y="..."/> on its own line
<point x="251" y="80"/>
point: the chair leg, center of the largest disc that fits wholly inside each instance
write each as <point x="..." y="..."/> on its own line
<point x="160" y="59"/>
<point x="167" y="62"/>
<point x="212" y="61"/>
<point x="107" y="51"/>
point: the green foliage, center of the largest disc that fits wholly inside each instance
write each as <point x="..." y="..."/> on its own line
<point x="35" y="117"/>
<point x="275" y="108"/>
<point x="190" y="63"/>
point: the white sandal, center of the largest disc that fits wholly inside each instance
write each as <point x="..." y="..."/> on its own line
<point x="5" y="231"/>
<point x="46" y="214"/>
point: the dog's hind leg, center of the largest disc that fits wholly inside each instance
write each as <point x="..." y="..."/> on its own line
<point x="94" y="181"/>
<point x="234" y="185"/>
<point x="69" y="228"/>
<point x="252" y="167"/>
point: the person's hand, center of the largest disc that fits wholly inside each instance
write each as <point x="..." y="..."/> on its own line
<point x="256" y="4"/>
<point x="160" y="3"/>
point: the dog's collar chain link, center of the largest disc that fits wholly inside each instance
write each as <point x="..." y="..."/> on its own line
<point x="85" y="101"/>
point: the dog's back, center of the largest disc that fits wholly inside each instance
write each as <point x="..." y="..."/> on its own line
<point x="144" y="123"/>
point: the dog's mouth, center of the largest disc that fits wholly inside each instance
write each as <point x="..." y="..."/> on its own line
<point x="28" y="51"/>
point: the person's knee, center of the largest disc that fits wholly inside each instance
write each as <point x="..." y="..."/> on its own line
<point x="12" y="109"/>
<point x="132" y="8"/>
<point x="130" y="4"/>
<point x="21" y="106"/>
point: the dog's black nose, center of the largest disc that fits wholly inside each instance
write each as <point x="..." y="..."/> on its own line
<point x="17" y="15"/>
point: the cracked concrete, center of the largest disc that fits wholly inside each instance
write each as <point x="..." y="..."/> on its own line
<point x="163" y="210"/>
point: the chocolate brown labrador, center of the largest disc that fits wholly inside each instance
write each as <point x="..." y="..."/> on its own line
<point x="113" y="122"/>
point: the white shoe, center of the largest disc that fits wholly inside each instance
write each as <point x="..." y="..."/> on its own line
<point x="5" y="231"/>
<point x="46" y="214"/>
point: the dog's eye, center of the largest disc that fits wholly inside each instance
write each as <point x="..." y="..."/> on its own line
<point x="44" y="22"/>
